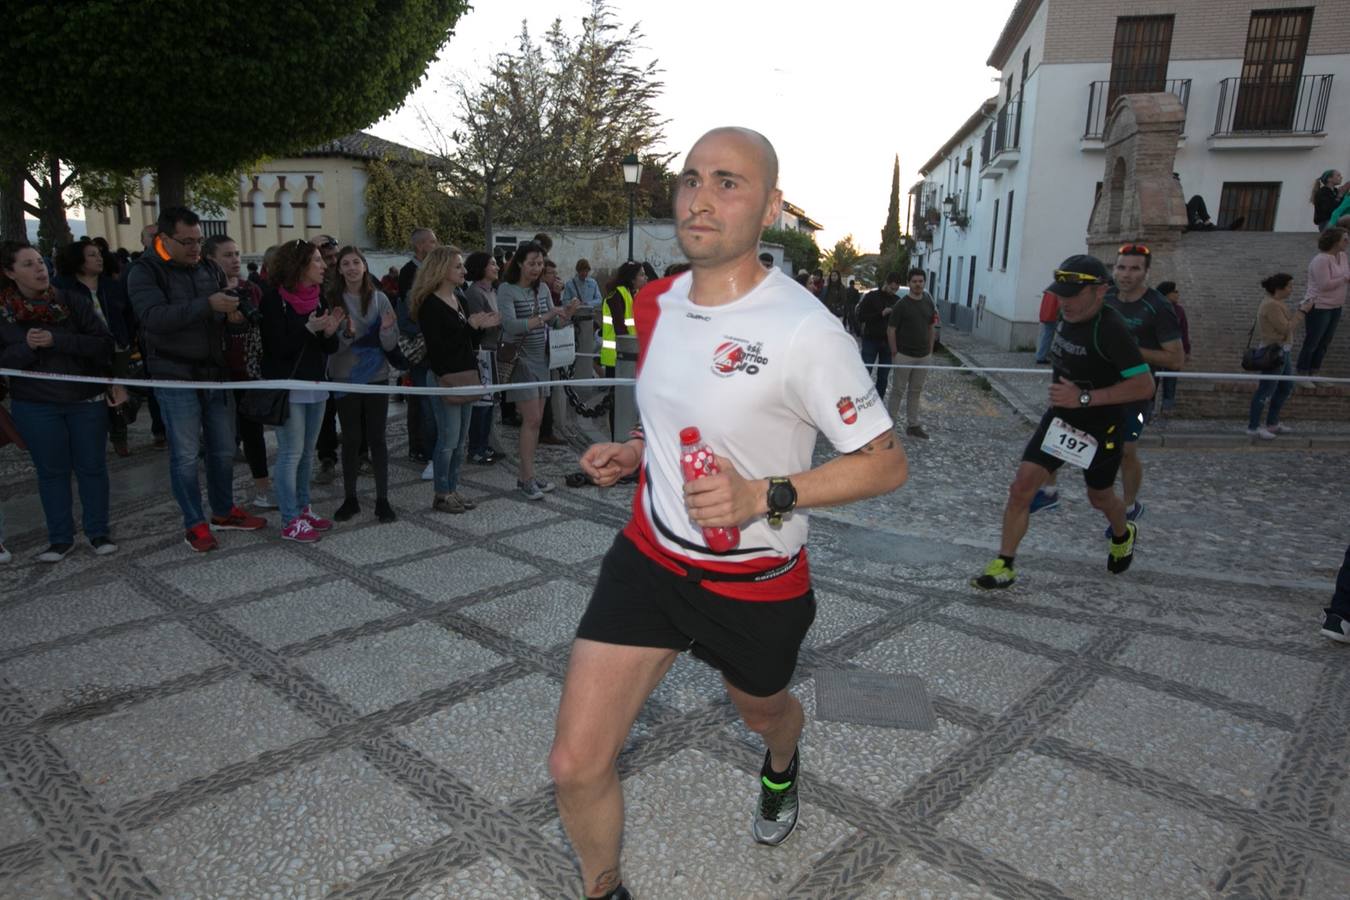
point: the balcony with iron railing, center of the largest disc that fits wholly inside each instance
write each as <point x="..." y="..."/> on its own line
<point x="1275" y="107"/>
<point x="1100" y="96"/>
<point x="1000" y="145"/>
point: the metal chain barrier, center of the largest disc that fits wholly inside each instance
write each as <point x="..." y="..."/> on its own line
<point x="578" y="405"/>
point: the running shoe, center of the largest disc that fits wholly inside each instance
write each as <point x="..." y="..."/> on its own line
<point x="429" y="472"/>
<point x="200" y="538"/>
<point x="1263" y="433"/>
<point x="997" y="574"/>
<point x="237" y="520"/>
<point x="264" y="501"/>
<point x="530" y="489"/>
<point x="547" y="487"/>
<point x="1121" y="555"/>
<point x="1132" y="514"/>
<point x="1279" y="428"/>
<point x="776" y="813"/>
<point x="1044" y="500"/>
<point x="5" y="555"/>
<point x="318" y="523"/>
<point x="55" y="553"/>
<point x="300" y="531"/>
<point x="1335" y="627"/>
<point x="102" y="545"/>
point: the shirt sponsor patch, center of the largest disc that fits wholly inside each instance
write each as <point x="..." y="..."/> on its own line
<point x="738" y="355"/>
<point x="849" y="407"/>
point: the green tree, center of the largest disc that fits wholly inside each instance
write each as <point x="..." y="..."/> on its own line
<point x="890" y="232"/>
<point x="403" y="195"/>
<point x="306" y="72"/>
<point x="842" y="257"/>
<point x="540" y="135"/>
<point x="799" y="248"/>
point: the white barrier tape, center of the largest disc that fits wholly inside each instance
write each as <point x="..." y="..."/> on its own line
<point x="341" y="387"/>
<point x="1198" y="376"/>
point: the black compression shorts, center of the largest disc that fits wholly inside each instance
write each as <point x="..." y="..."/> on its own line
<point x="1105" y="464"/>
<point x="638" y="603"/>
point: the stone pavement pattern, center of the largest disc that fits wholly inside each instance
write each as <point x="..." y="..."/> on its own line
<point x="369" y="717"/>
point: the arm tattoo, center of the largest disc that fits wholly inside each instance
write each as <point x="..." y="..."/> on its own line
<point x="880" y="443"/>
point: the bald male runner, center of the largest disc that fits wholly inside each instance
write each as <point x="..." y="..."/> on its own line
<point x="761" y="368"/>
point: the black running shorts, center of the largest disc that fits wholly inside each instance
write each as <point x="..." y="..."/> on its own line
<point x="1110" y="442"/>
<point x="639" y="603"/>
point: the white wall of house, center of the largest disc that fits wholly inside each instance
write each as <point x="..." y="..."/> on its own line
<point x="1053" y="181"/>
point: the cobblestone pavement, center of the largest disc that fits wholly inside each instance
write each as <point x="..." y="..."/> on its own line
<point x="369" y="716"/>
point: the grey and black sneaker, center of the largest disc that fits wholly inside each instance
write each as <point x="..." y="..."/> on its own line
<point x="776" y="814"/>
<point x="1335" y="627"/>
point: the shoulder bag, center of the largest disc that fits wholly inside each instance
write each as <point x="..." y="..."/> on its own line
<point x="269" y="406"/>
<point x="1262" y="359"/>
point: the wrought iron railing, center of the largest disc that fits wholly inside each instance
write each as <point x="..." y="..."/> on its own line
<point x="1100" y="97"/>
<point x="1273" y="105"/>
<point x="1003" y="134"/>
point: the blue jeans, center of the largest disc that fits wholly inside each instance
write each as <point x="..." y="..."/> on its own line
<point x="421" y="420"/>
<point x="1264" y="391"/>
<point x="480" y="427"/>
<point x="188" y="415"/>
<point x="878" y="352"/>
<point x="452" y="428"/>
<point x="66" y="438"/>
<point x="1169" y="393"/>
<point x="295" y="457"/>
<point x="1046" y="338"/>
<point x="1321" y="325"/>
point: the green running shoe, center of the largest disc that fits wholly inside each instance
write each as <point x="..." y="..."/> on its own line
<point x="997" y="574"/>
<point x="1121" y="555"/>
<point x="776" y="813"/>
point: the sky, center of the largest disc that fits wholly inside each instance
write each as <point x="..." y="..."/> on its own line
<point x="839" y="92"/>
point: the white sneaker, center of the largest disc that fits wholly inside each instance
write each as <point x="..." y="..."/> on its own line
<point x="1261" y="433"/>
<point x="5" y="555"/>
<point x="1279" y="428"/>
<point x="429" y="472"/>
<point x="265" y="501"/>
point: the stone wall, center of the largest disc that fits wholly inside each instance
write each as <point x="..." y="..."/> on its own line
<point x="1219" y="276"/>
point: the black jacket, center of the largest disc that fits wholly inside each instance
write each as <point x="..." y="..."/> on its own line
<point x="112" y="298"/>
<point x="285" y="340"/>
<point x="872" y="311"/>
<point x="81" y="345"/>
<point x="184" y="338"/>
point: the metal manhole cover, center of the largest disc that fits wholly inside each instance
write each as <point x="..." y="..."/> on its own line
<point x="874" y="698"/>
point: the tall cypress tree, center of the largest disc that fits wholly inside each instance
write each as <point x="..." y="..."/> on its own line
<point x="890" y="234"/>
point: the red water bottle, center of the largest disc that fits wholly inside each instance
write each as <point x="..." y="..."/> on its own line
<point x="697" y="461"/>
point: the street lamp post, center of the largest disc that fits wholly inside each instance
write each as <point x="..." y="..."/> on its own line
<point x="632" y="173"/>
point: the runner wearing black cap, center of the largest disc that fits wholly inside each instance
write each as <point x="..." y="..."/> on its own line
<point x="1098" y="371"/>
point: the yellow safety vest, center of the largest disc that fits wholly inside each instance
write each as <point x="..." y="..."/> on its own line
<point x="609" y="342"/>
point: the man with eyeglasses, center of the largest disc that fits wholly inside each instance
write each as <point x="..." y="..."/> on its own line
<point x="1098" y="373"/>
<point x="185" y="314"/>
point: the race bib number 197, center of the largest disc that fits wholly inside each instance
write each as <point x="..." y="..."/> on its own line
<point x="1065" y="442"/>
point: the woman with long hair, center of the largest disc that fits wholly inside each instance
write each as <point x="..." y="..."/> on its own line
<point x="1328" y="275"/>
<point x="451" y="335"/>
<point x="481" y="296"/>
<point x="62" y="422"/>
<point x="835" y="294"/>
<point x="1327" y="192"/>
<point x="370" y="332"/>
<point x="81" y="268"/>
<point x="299" y="331"/>
<point x="527" y="314"/>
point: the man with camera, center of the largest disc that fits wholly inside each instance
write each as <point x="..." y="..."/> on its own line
<point x="186" y="317"/>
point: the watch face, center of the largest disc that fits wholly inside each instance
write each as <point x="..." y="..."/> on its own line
<point x="782" y="496"/>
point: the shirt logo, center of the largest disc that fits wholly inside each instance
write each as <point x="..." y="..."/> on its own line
<point x="736" y="355"/>
<point x="847" y="411"/>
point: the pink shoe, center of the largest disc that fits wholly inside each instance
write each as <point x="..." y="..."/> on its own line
<point x="300" y="531"/>
<point x="316" y="522"/>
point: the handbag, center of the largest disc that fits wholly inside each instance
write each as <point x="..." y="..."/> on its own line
<point x="467" y="378"/>
<point x="562" y="347"/>
<point x="269" y="406"/>
<point x="413" y="349"/>
<point x="1262" y="359"/>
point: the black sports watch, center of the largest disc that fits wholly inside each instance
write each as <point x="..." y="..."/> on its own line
<point x="782" y="500"/>
<point x="1085" y="398"/>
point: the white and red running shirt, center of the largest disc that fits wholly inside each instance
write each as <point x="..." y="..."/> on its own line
<point x="760" y="378"/>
